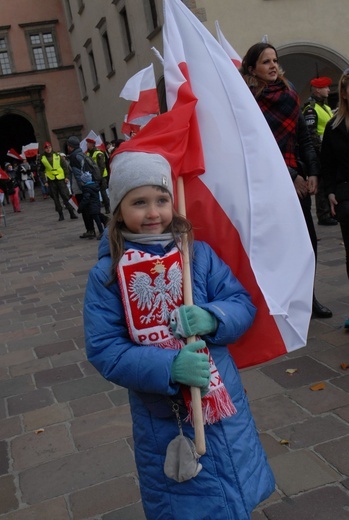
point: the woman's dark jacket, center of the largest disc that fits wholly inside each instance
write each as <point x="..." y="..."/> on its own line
<point x="306" y="154"/>
<point x="335" y="156"/>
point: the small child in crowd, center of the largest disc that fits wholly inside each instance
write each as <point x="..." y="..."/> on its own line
<point x="90" y="201"/>
<point x="135" y="329"/>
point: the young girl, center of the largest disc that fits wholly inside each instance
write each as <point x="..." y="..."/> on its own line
<point x="135" y="322"/>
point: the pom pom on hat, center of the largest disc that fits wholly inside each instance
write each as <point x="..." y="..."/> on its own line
<point x="73" y="141"/>
<point x="86" y="177"/>
<point x="130" y="170"/>
<point x="321" y="82"/>
<point x="90" y="140"/>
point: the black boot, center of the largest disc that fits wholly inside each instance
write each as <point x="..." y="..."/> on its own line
<point x="72" y="214"/>
<point x="61" y="216"/>
<point x="320" y="311"/>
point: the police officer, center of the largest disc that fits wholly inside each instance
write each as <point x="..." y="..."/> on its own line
<point x="317" y="114"/>
<point x="99" y="158"/>
<point x="54" y="172"/>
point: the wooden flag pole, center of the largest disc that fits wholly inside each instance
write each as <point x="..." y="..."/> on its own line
<point x="188" y="300"/>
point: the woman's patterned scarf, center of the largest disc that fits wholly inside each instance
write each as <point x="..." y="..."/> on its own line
<point x="280" y="106"/>
<point x="151" y="288"/>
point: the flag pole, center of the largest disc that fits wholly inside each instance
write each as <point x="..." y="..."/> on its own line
<point x="188" y="300"/>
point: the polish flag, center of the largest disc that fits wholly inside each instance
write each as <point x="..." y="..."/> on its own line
<point x="244" y="205"/>
<point x="141" y="90"/>
<point x="233" y="55"/>
<point x="12" y="153"/>
<point x="3" y="175"/>
<point x="92" y="135"/>
<point x="30" y="150"/>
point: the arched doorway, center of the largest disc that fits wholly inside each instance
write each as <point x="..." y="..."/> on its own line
<point x="303" y="61"/>
<point x="15" y="131"/>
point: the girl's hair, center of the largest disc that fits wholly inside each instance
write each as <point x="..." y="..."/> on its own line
<point x="249" y="63"/>
<point x="343" y="104"/>
<point x="178" y="227"/>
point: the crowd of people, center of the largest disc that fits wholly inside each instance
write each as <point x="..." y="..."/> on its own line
<point x="59" y="177"/>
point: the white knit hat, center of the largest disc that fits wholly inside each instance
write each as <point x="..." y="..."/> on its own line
<point x="130" y="170"/>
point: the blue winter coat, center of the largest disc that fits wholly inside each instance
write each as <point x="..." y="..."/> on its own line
<point x="235" y="475"/>
<point x="90" y="199"/>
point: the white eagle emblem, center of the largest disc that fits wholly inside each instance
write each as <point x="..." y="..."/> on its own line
<point x="159" y="296"/>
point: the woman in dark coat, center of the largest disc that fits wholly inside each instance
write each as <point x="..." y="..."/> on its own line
<point x="280" y="105"/>
<point x="335" y="164"/>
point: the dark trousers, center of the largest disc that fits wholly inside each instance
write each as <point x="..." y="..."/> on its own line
<point x="323" y="208"/>
<point x="88" y="220"/>
<point x="97" y="218"/>
<point x="104" y="185"/>
<point x="345" y="235"/>
<point x="56" y="189"/>
<point x="306" y="208"/>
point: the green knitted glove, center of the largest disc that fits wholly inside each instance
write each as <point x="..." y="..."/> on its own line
<point x="191" y="320"/>
<point x="191" y="368"/>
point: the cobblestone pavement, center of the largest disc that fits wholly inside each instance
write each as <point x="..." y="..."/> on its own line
<point x="66" y="447"/>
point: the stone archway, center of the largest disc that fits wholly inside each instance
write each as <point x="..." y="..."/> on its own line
<point x="15" y="131"/>
<point x="303" y="61"/>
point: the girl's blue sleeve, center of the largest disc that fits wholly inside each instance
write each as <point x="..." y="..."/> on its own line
<point x="108" y="344"/>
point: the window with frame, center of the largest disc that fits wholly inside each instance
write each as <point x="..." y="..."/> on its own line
<point x="81" y="78"/>
<point x="43" y="48"/>
<point x="102" y="26"/>
<point x="92" y="62"/>
<point x="5" y="59"/>
<point x="126" y="31"/>
<point x="151" y="14"/>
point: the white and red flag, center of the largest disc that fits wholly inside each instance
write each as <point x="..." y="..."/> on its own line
<point x="141" y="90"/>
<point x="245" y="204"/>
<point x="233" y="55"/>
<point x="12" y="153"/>
<point x="97" y="138"/>
<point x="30" y="150"/>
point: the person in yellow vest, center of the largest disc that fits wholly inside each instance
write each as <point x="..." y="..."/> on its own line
<point x="54" y="172"/>
<point x="99" y="158"/>
<point x="317" y="114"/>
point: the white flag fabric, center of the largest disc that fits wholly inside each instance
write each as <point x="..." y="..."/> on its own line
<point x="12" y="153"/>
<point x="141" y="90"/>
<point x="233" y="55"/>
<point x="245" y="204"/>
<point x="95" y="137"/>
<point x="30" y="150"/>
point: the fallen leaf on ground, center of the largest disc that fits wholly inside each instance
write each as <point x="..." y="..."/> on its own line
<point x="344" y="366"/>
<point x="284" y="441"/>
<point x="318" y="386"/>
<point x="291" y="371"/>
<point x="40" y="430"/>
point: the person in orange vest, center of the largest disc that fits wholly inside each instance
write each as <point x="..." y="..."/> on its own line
<point x="99" y="158"/>
<point x="54" y="172"/>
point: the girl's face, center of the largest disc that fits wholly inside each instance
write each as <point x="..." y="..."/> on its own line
<point x="267" y="66"/>
<point x="147" y="209"/>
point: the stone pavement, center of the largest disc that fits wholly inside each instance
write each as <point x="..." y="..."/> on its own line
<point x="65" y="433"/>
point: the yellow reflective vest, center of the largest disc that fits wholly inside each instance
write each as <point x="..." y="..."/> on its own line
<point x="53" y="171"/>
<point x="94" y="157"/>
<point x="324" y="114"/>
